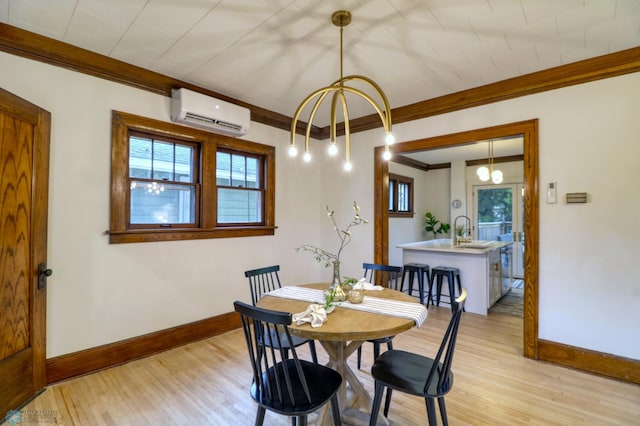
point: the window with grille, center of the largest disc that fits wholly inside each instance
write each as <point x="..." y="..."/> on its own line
<point x="239" y="187"/>
<point x="400" y="196"/>
<point x="171" y="182"/>
<point x="163" y="181"/>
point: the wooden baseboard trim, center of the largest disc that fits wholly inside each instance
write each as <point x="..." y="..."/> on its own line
<point x="604" y="364"/>
<point x="93" y="359"/>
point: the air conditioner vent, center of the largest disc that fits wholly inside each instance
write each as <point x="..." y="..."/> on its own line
<point x="209" y="113"/>
<point x="195" y="118"/>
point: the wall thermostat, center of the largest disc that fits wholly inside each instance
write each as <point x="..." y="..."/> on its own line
<point x="456" y="204"/>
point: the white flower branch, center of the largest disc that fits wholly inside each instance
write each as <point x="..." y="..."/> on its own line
<point x="326" y="257"/>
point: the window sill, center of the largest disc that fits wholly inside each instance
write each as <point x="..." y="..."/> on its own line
<point x="402" y="214"/>
<point x="173" y="234"/>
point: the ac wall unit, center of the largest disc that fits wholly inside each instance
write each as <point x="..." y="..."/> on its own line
<point x="205" y="112"/>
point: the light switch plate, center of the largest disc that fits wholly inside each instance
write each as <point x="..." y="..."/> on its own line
<point x="552" y="192"/>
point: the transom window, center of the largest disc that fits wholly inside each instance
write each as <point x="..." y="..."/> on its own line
<point x="400" y="196"/>
<point x="171" y="182"/>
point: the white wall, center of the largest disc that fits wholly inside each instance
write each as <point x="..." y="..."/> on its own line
<point x="431" y="193"/>
<point x="100" y="293"/>
<point x="589" y="288"/>
<point x="403" y="229"/>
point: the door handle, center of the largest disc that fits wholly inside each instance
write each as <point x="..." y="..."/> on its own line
<point x="43" y="274"/>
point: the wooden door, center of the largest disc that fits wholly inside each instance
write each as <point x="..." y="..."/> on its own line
<point x="24" y="168"/>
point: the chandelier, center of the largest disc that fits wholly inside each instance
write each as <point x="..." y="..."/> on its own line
<point x="341" y="19"/>
<point x="485" y="173"/>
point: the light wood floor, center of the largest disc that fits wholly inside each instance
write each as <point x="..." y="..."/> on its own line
<point x="206" y="383"/>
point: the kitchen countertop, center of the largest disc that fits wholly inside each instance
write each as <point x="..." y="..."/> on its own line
<point x="446" y="245"/>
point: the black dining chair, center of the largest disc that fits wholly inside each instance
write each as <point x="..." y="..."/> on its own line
<point x="385" y="276"/>
<point x="264" y="280"/>
<point x="283" y="383"/>
<point x="419" y="375"/>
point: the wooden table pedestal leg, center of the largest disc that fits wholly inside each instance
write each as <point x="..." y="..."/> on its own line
<point x="356" y="407"/>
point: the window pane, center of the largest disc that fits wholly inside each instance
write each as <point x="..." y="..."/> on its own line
<point x="392" y="190"/>
<point x="252" y="173"/>
<point x="140" y="157"/>
<point x="223" y="168"/>
<point x="162" y="160"/>
<point x="239" y="206"/>
<point x="184" y="163"/>
<point x="403" y="197"/>
<point x="238" y="170"/>
<point x="156" y="203"/>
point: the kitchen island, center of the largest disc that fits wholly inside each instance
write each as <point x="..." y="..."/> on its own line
<point x="485" y="267"/>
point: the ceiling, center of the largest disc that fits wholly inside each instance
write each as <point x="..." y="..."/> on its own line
<point x="273" y="53"/>
<point x="506" y="147"/>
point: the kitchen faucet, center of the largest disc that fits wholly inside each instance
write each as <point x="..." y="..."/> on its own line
<point x="467" y="231"/>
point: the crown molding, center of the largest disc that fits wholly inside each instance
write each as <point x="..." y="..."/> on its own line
<point x="34" y="46"/>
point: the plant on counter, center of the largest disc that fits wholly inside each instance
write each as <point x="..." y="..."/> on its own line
<point x="435" y="226"/>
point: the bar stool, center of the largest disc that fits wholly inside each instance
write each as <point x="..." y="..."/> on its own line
<point x="419" y="270"/>
<point x="452" y="275"/>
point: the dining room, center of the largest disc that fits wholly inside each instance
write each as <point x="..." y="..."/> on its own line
<point x="207" y="382"/>
<point x="136" y="322"/>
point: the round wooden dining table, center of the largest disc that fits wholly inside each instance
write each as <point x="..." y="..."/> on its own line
<point x="341" y="335"/>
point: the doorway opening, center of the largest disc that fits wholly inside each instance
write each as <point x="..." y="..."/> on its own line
<point x="529" y="132"/>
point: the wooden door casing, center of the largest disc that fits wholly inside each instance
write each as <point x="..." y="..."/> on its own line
<point x="24" y="166"/>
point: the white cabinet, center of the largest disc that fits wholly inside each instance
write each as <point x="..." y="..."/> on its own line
<point x="506" y="255"/>
<point x="494" y="272"/>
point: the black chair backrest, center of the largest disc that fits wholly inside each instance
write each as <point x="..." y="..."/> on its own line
<point x="277" y="377"/>
<point x="263" y="280"/>
<point x="383" y="275"/>
<point x="441" y="370"/>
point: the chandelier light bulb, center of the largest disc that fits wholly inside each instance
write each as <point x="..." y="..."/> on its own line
<point x="306" y="157"/>
<point x="496" y="176"/>
<point x="293" y="151"/>
<point x="348" y="166"/>
<point x="333" y="149"/>
<point x="389" y="139"/>
<point x="483" y="173"/>
<point x="386" y="155"/>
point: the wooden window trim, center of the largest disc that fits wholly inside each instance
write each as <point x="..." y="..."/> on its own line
<point x="123" y="123"/>
<point x="394" y="180"/>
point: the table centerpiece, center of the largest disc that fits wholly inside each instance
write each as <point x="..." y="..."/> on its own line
<point x="336" y="292"/>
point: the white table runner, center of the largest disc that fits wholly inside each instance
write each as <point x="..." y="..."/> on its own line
<point x="409" y="310"/>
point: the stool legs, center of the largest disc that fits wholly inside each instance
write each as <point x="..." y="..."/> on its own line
<point x="411" y="275"/>
<point x="421" y="286"/>
<point x="430" y="295"/>
<point x="420" y="271"/>
<point x="452" y="280"/>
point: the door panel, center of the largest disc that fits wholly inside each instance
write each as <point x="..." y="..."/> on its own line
<point x="24" y="157"/>
<point x="498" y="215"/>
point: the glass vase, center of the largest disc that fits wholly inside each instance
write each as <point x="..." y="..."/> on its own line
<point x="336" y="282"/>
<point x="336" y="289"/>
<point x="356" y="295"/>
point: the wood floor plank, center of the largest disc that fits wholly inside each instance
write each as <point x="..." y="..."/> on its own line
<point x="207" y="383"/>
